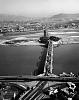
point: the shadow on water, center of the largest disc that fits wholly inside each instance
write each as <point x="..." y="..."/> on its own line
<point x="41" y="62"/>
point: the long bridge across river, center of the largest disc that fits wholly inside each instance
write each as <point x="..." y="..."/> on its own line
<point x="48" y="67"/>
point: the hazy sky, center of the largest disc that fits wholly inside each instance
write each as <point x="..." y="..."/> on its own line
<point x="38" y="8"/>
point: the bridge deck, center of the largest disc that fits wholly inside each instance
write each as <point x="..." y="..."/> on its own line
<point x="48" y="68"/>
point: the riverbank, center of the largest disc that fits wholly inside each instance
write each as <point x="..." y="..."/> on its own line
<point x="33" y="39"/>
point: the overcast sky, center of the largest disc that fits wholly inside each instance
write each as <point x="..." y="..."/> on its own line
<point x="38" y="8"/>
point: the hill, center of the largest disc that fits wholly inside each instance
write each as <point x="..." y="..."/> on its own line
<point x="55" y="18"/>
<point x="4" y="17"/>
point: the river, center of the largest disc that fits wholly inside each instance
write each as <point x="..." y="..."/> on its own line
<point x="66" y="58"/>
<point x="29" y="60"/>
<point x="20" y="60"/>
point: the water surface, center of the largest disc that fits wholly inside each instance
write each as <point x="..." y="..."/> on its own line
<point x="66" y="58"/>
<point x="19" y="60"/>
<point x="29" y="60"/>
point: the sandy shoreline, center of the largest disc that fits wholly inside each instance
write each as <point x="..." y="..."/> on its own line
<point x="32" y="39"/>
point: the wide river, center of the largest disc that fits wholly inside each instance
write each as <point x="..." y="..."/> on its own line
<point x="29" y="60"/>
<point x="21" y="60"/>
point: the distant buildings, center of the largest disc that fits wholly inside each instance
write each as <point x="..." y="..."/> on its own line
<point x="36" y="26"/>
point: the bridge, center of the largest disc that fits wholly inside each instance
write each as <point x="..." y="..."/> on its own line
<point x="44" y="81"/>
<point x="48" y="67"/>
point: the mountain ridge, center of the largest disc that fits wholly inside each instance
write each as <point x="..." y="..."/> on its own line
<point x="57" y="17"/>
